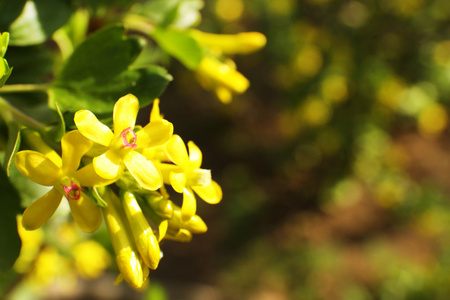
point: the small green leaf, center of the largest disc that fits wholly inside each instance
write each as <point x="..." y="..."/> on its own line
<point x="98" y="73"/>
<point x="12" y="146"/>
<point x="9" y="238"/>
<point x="38" y="21"/>
<point x="180" y="45"/>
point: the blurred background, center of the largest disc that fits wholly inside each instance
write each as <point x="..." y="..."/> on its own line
<point x="333" y="164"/>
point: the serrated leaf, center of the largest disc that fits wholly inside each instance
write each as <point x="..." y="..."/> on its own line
<point x="9" y="238"/>
<point x="180" y="45"/>
<point x="98" y="73"/>
<point x="12" y="145"/>
<point x="38" y="21"/>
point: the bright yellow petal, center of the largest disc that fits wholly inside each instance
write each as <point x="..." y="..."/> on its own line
<point x="154" y="134"/>
<point x="178" y="181"/>
<point x="74" y="145"/>
<point x="177" y="152"/>
<point x="89" y="126"/>
<point x="162" y="229"/>
<point x="155" y="114"/>
<point x="195" y="155"/>
<point x="108" y="165"/>
<point x="87" y="176"/>
<point x="125" y="113"/>
<point x="85" y="213"/>
<point x="211" y="193"/>
<point x="143" y="170"/>
<point x="189" y="206"/>
<point x="41" y="210"/>
<point x="37" y="167"/>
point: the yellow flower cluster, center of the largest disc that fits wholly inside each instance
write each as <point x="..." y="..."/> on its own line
<point x="141" y="161"/>
<point x="216" y="72"/>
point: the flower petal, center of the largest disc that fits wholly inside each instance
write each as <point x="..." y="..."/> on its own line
<point x="178" y="181"/>
<point x="108" y="165"/>
<point x="154" y="134"/>
<point x="87" y="176"/>
<point x="155" y="114"/>
<point x="89" y="126"/>
<point x="177" y="152"/>
<point x="74" y="145"/>
<point x="85" y="213"/>
<point x="211" y="193"/>
<point x="125" y="113"/>
<point x="189" y="206"/>
<point x="37" y="167"/>
<point x="195" y="155"/>
<point x="41" y="210"/>
<point x="143" y="170"/>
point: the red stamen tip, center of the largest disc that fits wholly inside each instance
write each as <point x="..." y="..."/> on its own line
<point x="73" y="192"/>
<point x="124" y="135"/>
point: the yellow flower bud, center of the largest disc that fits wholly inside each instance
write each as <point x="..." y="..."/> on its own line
<point x="127" y="257"/>
<point x="181" y="235"/>
<point x="146" y="242"/>
<point x="162" y="207"/>
<point x="241" y="43"/>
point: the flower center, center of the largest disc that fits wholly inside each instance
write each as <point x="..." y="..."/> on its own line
<point x="129" y="138"/>
<point x="73" y="192"/>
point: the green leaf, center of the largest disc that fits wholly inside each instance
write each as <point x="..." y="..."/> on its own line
<point x="38" y="21"/>
<point x="180" y="45"/>
<point x="12" y="146"/>
<point x="174" y="13"/>
<point x="32" y="64"/>
<point x="98" y="73"/>
<point x="9" y="238"/>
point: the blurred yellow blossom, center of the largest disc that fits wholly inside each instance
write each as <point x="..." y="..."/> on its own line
<point x="222" y="78"/>
<point x="90" y="259"/>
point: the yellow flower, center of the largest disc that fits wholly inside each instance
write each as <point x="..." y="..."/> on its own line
<point x="90" y="259"/>
<point x="186" y="176"/>
<point x="128" y="259"/>
<point x="222" y="78"/>
<point x="123" y="142"/>
<point x="241" y="43"/>
<point x="66" y="181"/>
<point x="146" y="242"/>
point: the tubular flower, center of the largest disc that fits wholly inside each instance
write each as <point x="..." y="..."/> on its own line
<point x="65" y="179"/>
<point x="128" y="259"/>
<point x="241" y="43"/>
<point x="123" y="142"/>
<point x="187" y="177"/>
<point x="222" y="78"/>
<point x="146" y="242"/>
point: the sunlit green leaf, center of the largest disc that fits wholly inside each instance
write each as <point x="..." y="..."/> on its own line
<point x="98" y="73"/>
<point x="174" y="13"/>
<point x="180" y="45"/>
<point x="38" y="21"/>
<point x="9" y="238"/>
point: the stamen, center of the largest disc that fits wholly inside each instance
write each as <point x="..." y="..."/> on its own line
<point x="133" y="140"/>
<point x="73" y="192"/>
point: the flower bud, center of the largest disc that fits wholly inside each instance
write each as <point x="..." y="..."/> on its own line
<point x="127" y="257"/>
<point x="146" y="242"/>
